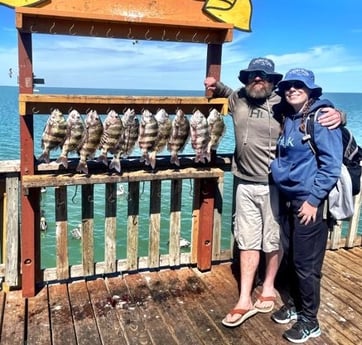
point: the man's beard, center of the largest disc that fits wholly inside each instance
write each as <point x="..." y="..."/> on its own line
<point x="259" y="93"/>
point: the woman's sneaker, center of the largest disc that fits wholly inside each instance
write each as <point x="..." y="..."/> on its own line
<point x="284" y="315"/>
<point x="302" y="330"/>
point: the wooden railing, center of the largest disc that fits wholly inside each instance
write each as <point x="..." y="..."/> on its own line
<point x="344" y="235"/>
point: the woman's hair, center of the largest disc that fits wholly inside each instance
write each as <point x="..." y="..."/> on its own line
<point x="305" y="113"/>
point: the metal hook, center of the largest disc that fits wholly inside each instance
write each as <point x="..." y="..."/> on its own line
<point x="205" y="39"/>
<point x="148" y="38"/>
<point x="51" y="29"/>
<point x="108" y="32"/>
<point x="91" y="30"/>
<point x="177" y="35"/>
<point x="31" y="29"/>
<point x="164" y="36"/>
<point x="193" y="39"/>
<point x="130" y="33"/>
<point x="34" y="111"/>
<point x="90" y="198"/>
<point x="70" y="30"/>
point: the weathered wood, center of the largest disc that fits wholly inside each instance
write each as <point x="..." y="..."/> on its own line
<point x="110" y="330"/>
<point x="62" y="328"/>
<point x="61" y="229"/>
<point x="175" y="222"/>
<point x="217" y="231"/>
<point x="132" y="225"/>
<point x="88" y="229"/>
<point x="154" y="225"/>
<point x="38" y="319"/>
<point x="85" y="324"/>
<point x="66" y="179"/>
<point x="110" y="228"/>
<point x="41" y="103"/>
<point x="13" y="324"/>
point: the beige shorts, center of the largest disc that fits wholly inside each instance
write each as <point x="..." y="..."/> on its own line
<point x="256" y="224"/>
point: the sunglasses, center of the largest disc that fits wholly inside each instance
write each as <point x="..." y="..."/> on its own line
<point x="260" y="74"/>
<point x="293" y="84"/>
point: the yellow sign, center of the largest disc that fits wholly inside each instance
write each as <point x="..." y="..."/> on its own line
<point x="236" y="12"/>
<point x="19" y="3"/>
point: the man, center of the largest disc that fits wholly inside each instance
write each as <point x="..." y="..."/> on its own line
<point x="256" y="227"/>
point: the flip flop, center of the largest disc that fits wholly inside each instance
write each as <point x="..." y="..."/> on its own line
<point x="269" y="307"/>
<point x="244" y="315"/>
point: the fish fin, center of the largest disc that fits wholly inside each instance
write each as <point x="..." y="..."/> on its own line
<point x="152" y="159"/>
<point x="115" y="164"/>
<point x="63" y="161"/>
<point x="103" y="158"/>
<point x="44" y="157"/>
<point x="82" y="167"/>
<point x="174" y="159"/>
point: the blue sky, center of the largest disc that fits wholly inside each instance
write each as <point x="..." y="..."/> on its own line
<point x="324" y="36"/>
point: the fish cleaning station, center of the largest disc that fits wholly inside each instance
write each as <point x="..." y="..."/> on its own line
<point x="177" y="297"/>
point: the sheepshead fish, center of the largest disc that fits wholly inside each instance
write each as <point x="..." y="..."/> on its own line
<point x="164" y="131"/>
<point x="200" y="136"/>
<point x="53" y="135"/>
<point x="75" y="128"/>
<point x="180" y="133"/>
<point x="112" y="131"/>
<point x="147" y="137"/>
<point x="127" y="140"/>
<point x="90" y="140"/>
<point x="216" y="130"/>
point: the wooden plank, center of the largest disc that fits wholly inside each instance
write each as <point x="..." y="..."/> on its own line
<point x="88" y="229"/>
<point x="83" y="316"/>
<point x="63" y="332"/>
<point x="40" y="104"/>
<point x="132" y="225"/>
<point x="175" y="222"/>
<point x="61" y="230"/>
<point x="13" y="322"/>
<point x="67" y="179"/>
<point x="11" y="245"/>
<point x="38" y="330"/>
<point x="110" y="228"/>
<point x="150" y="317"/>
<point x="195" y="228"/>
<point x="216" y="231"/>
<point x="110" y="330"/>
<point x="154" y="225"/>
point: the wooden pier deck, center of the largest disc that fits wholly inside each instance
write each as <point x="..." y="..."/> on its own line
<point x="169" y="307"/>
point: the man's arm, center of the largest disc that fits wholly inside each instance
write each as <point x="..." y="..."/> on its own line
<point x="332" y="118"/>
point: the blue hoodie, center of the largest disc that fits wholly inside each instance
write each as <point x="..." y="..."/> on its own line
<point x="297" y="171"/>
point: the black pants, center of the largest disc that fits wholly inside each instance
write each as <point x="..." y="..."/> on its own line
<point x="304" y="249"/>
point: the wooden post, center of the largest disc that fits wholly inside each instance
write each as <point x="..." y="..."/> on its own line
<point x="213" y="64"/>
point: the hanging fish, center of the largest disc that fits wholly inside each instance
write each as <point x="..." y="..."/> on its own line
<point x="75" y="129"/>
<point x="112" y="131"/>
<point x="200" y="136"/>
<point x="180" y="133"/>
<point x="163" y="135"/>
<point x="53" y="135"/>
<point x="148" y="130"/>
<point x="127" y="140"/>
<point x="216" y="130"/>
<point x="90" y="140"/>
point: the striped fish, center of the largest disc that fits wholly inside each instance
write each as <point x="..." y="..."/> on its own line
<point x="127" y="140"/>
<point x="200" y="136"/>
<point x="216" y="130"/>
<point x="90" y="140"/>
<point x="148" y="130"/>
<point x="180" y="133"/>
<point x="53" y="135"/>
<point x="75" y="128"/>
<point x="112" y="131"/>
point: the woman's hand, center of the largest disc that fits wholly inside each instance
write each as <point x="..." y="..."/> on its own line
<point x="307" y="213"/>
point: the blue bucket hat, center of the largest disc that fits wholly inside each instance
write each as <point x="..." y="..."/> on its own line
<point x="301" y="74"/>
<point x="260" y="65"/>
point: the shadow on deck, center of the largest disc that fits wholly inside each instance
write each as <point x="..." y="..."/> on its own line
<point x="174" y="307"/>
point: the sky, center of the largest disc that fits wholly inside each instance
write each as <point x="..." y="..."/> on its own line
<point x="322" y="35"/>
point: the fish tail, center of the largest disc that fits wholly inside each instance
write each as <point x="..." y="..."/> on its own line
<point x="82" y="167"/>
<point x="174" y="159"/>
<point x="115" y="164"/>
<point x="152" y="159"/>
<point x="103" y="158"/>
<point x="63" y="160"/>
<point x="44" y="157"/>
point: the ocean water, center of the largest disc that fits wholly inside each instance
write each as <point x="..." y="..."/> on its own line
<point x="351" y="103"/>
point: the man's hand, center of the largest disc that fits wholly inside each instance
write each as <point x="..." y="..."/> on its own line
<point x="210" y="83"/>
<point x="330" y="118"/>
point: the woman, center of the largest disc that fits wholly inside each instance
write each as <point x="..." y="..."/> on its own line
<point x="304" y="179"/>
